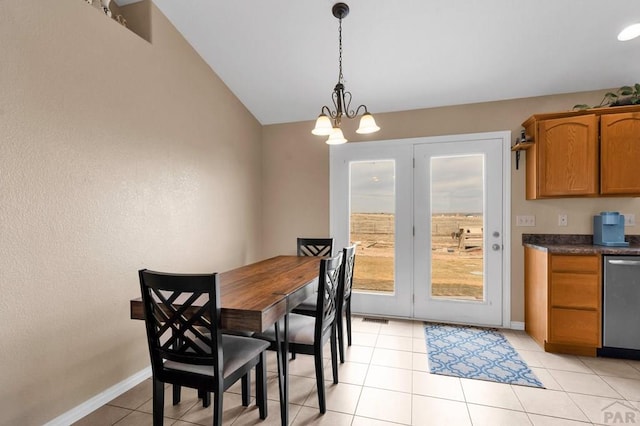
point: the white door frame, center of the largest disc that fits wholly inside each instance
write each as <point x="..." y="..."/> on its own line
<point x="338" y="205"/>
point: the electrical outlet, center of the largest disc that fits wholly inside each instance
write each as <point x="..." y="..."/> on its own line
<point x="562" y="220"/>
<point x="629" y="219"/>
<point x="526" y="220"/>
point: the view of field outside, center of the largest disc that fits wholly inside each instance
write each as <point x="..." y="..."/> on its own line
<point x="372" y="225"/>
<point x="456" y="200"/>
<point x="456" y="271"/>
<point x="456" y="212"/>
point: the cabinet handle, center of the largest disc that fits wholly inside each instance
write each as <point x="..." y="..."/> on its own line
<point x="624" y="262"/>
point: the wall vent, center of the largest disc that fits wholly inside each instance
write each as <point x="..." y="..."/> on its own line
<point x="376" y="320"/>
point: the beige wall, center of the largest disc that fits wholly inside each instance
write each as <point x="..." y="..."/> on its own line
<point x="115" y="154"/>
<point x="296" y="174"/>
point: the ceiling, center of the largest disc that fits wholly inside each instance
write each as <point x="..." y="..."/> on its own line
<point x="280" y="58"/>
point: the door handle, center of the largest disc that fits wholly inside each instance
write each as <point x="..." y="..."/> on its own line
<point x="624" y="262"/>
<point x="496" y="247"/>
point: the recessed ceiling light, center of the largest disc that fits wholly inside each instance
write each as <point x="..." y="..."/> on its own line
<point x="630" y="32"/>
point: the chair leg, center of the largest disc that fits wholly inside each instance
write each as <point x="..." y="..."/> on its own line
<point x="158" y="402"/>
<point x="246" y="389"/>
<point x="261" y="386"/>
<point x="217" y="406"/>
<point x="320" y="379"/>
<point x="340" y="338"/>
<point x="348" y="319"/>
<point x="206" y="398"/>
<point x="334" y="354"/>
<point x="176" y="394"/>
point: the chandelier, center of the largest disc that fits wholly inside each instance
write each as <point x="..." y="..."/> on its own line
<point x="328" y="122"/>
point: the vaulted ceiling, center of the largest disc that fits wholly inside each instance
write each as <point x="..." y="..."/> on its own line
<point x="280" y="57"/>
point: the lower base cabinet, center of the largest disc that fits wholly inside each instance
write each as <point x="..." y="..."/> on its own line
<point x="563" y="299"/>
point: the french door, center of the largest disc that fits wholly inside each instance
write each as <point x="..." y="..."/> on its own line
<point x="370" y="208"/>
<point x="427" y="215"/>
<point x="458" y="244"/>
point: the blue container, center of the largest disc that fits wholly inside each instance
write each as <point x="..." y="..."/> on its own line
<point x="608" y="230"/>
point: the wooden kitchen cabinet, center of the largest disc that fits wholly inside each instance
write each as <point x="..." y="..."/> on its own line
<point x="568" y="156"/>
<point x="583" y="153"/>
<point x="620" y="153"/>
<point x="563" y="301"/>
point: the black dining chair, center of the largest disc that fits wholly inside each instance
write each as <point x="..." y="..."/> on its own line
<point x="308" y="335"/>
<point x="315" y="247"/>
<point x="312" y="247"/>
<point x="187" y="347"/>
<point x="343" y="299"/>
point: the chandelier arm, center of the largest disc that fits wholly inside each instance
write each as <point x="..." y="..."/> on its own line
<point x="327" y="111"/>
<point x="348" y="112"/>
<point x="358" y="110"/>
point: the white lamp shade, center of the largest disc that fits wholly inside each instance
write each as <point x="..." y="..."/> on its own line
<point x="323" y="126"/>
<point x="367" y="125"/>
<point x="336" y="137"/>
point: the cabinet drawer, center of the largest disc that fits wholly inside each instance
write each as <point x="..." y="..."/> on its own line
<point x="577" y="327"/>
<point x="570" y="290"/>
<point x="575" y="263"/>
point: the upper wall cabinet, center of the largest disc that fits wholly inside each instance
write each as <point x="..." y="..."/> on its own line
<point x="620" y="151"/>
<point x="583" y="153"/>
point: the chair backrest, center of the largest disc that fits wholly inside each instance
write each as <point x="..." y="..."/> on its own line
<point x="182" y="317"/>
<point x="346" y="275"/>
<point x="315" y="247"/>
<point x="326" y="304"/>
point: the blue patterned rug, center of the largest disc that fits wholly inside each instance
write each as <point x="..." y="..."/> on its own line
<point x="476" y="353"/>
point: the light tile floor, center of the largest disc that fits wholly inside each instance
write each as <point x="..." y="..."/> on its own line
<point x="385" y="382"/>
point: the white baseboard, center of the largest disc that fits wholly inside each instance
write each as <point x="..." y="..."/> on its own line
<point x="99" y="400"/>
<point x="517" y="325"/>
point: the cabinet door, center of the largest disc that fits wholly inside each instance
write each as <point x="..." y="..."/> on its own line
<point x="620" y="153"/>
<point x="568" y="162"/>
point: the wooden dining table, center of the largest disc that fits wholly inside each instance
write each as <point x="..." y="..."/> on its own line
<point x="256" y="297"/>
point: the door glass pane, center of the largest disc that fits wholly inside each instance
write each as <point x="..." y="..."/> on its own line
<point x="457" y="211"/>
<point x="372" y="224"/>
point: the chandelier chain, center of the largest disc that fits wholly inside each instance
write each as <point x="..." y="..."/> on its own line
<point x="340" y="77"/>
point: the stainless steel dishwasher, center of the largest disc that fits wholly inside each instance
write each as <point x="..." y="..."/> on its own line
<point x="621" y="307"/>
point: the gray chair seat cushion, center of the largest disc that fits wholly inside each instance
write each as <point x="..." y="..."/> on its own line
<point x="237" y="351"/>
<point x="301" y="330"/>
<point x="309" y="304"/>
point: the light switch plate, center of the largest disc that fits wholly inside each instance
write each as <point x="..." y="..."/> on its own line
<point x="562" y="220"/>
<point x="629" y="219"/>
<point x="525" y="220"/>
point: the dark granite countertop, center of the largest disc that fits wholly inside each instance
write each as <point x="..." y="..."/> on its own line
<point x="578" y="244"/>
